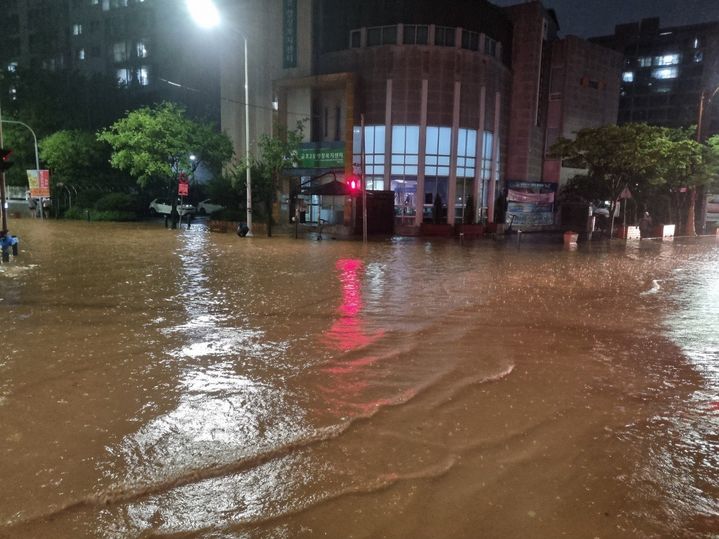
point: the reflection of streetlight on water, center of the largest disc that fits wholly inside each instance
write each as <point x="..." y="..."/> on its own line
<point x="206" y="15"/>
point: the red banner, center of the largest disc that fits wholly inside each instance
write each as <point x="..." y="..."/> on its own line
<point x="183" y="185"/>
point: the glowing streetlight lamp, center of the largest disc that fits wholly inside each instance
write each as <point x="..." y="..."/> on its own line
<point x="206" y="15"/>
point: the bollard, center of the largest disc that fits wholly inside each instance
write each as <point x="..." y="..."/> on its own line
<point x="519" y="238"/>
<point x="570" y="239"/>
<point x="15" y="246"/>
<point x="461" y="238"/>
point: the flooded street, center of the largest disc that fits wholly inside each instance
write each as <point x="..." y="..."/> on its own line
<point x="158" y="383"/>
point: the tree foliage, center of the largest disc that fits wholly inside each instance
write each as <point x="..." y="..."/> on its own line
<point x="76" y="157"/>
<point x="275" y="153"/>
<point x="153" y="144"/>
<point x="657" y="164"/>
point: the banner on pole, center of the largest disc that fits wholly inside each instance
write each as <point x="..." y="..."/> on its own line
<point x="39" y="182"/>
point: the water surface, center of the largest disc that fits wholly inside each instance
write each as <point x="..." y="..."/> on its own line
<point x="189" y="384"/>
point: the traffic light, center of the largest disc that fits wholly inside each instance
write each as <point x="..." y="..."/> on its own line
<point x="4" y="159"/>
<point x="354" y="186"/>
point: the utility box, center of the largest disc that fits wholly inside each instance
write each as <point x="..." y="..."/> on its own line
<point x="380" y="213"/>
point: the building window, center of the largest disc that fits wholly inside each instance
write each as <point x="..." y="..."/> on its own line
<point x="437" y="165"/>
<point x="143" y="76"/>
<point x="338" y="123"/>
<point x="405" y="149"/>
<point x="628" y="76"/>
<point x="415" y="34"/>
<point x="123" y="77"/>
<point x="466" y="161"/>
<point x="470" y="40"/>
<point x="355" y="39"/>
<point x="667" y="60"/>
<point x="119" y="51"/>
<point x="381" y="35"/>
<point x="141" y="49"/>
<point x="444" y="36"/>
<point x="76" y="29"/>
<point x="81" y="54"/>
<point x="645" y="61"/>
<point x="466" y="152"/>
<point x="374" y="138"/>
<point x="106" y="5"/>
<point x="665" y="73"/>
<point x="698" y="57"/>
<point x="12" y="67"/>
<point x="696" y="42"/>
<point x="490" y="46"/>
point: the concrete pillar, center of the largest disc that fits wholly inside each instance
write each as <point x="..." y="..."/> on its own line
<point x="422" y="153"/>
<point x="495" y="155"/>
<point x="452" y="191"/>
<point x="478" y="188"/>
<point x="388" y="135"/>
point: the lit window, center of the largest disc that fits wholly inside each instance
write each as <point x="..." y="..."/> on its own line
<point x="141" y="49"/>
<point x="698" y="57"/>
<point x="628" y="76"/>
<point x="645" y="61"/>
<point x="12" y="67"/>
<point x="76" y="29"/>
<point x="666" y="60"/>
<point x="106" y="5"/>
<point x="81" y="54"/>
<point x="123" y="76"/>
<point x="143" y="76"/>
<point x="696" y="42"/>
<point x="665" y="73"/>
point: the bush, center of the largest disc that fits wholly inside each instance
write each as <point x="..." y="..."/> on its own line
<point x="116" y="202"/>
<point x="229" y="214"/>
<point x="95" y="215"/>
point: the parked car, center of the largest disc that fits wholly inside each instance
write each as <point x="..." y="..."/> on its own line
<point x="207" y="207"/>
<point x="160" y="206"/>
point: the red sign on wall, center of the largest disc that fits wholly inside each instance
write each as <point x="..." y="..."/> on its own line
<point x="183" y="185"/>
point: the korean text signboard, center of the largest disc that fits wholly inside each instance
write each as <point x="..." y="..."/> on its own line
<point x="321" y="157"/>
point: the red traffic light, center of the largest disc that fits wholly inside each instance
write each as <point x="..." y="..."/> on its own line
<point x="354" y="186"/>
<point x="4" y="159"/>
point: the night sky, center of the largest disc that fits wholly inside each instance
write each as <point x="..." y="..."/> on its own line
<point x="588" y="18"/>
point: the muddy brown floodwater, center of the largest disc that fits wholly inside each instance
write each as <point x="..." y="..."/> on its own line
<point x="158" y="383"/>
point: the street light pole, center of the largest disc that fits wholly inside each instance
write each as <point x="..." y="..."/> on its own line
<point x="247" y="142"/>
<point x="34" y="136"/>
<point x="206" y="15"/>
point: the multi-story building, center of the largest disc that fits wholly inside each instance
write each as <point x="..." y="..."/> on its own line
<point x="149" y="46"/>
<point x="665" y="71"/>
<point x="458" y="98"/>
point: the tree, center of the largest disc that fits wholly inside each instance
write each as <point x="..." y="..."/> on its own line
<point x="154" y="144"/>
<point x="615" y="157"/>
<point x="275" y="154"/>
<point x="76" y="157"/>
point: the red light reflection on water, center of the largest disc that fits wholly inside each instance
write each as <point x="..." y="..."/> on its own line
<point x="348" y="375"/>
<point x="347" y="332"/>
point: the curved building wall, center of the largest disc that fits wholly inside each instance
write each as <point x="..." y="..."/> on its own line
<point x="431" y="113"/>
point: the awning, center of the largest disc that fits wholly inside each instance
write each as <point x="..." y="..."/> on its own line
<point x="333" y="188"/>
